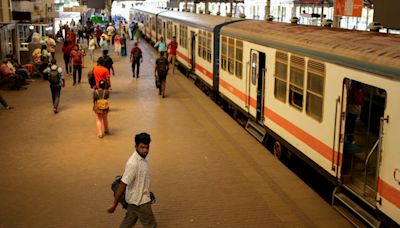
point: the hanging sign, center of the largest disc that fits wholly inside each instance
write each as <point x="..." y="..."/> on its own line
<point x="351" y="8"/>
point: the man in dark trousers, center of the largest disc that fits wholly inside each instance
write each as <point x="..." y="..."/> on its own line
<point x="135" y="183"/>
<point x="136" y="58"/>
<point x="4" y="103"/>
<point x="56" y="79"/>
<point x="161" y="71"/>
<point x="76" y="58"/>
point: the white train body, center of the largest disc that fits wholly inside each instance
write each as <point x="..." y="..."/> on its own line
<point x="294" y="82"/>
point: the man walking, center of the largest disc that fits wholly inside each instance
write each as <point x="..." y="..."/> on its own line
<point x="136" y="184"/>
<point x="161" y="71"/>
<point x="172" y="47"/>
<point x="56" y="79"/>
<point x="101" y="73"/>
<point x="76" y="60"/>
<point x="136" y="58"/>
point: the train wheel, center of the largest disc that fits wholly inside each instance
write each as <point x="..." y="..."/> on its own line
<point x="278" y="149"/>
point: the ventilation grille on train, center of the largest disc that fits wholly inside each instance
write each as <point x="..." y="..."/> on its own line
<point x="282" y="57"/>
<point x="296" y="60"/>
<point x="316" y="67"/>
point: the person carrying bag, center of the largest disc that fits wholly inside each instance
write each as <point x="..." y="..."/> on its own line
<point x="101" y="108"/>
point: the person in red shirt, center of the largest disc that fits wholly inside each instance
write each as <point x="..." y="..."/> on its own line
<point x="355" y="100"/>
<point x="66" y="49"/>
<point x="76" y="60"/>
<point x="71" y="37"/>
<point x="172" y="46"/>
<point x="99" y="32"/>
<point x="101" y="73"/>
<point x="136" y="58"/>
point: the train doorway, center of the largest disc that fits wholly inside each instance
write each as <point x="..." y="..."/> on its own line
<point x="257" y="85"/>
<point x="165" y="31"/>
<point x="193" y="50"/>
<point x="362" y="129"/>
<point x="175" y="30"/>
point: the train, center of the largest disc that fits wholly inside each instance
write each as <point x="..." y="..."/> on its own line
<point x="292" y="87"/>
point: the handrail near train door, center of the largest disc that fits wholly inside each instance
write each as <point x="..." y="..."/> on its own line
<point x="366" y="163"/>
<point x="334" y="134"/>
<point x="263" y="94"/>
<point x="378" y="156"/>
<point x="248" y="80"/>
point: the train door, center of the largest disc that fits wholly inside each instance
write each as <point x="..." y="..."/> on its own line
<point x="164" y="31"/>
<point x="193" y="50"/>
<point x="362" y="136"/>
<point x="175" y="30"/>
<point x="256" y="85"/>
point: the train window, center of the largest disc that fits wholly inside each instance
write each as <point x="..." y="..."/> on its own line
<point x="209" y="52"/>
<point x="315" y="89"/>
<point x="239" y="58"/>
<point x="281" y="76"/>
<point x="296" y="88"/>
<point x="224" y="51"/>
<point x="231" y="56"/>
<point x="204" y="43"/>
<point x="169" y="29"/>
<point x="159" y="26"/>
<point x="199" y="43"/>
<point x="183" y="36"/>
<point x="153" y="24"/>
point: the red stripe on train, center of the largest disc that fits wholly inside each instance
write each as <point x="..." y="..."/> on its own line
<point x="388" y="192"/>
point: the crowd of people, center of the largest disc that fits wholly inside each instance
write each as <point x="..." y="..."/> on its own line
<point x="79" y="40"/>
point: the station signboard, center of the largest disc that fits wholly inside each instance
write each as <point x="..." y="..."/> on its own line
<point x="351" y="8"/>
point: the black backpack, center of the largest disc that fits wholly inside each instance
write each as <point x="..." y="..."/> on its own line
<point x="54" y="77"/>
<point x="114" y="188"/>
<point x="162" y="66"/>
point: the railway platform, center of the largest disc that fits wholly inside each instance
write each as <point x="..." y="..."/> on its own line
<point x="207" y="171"/>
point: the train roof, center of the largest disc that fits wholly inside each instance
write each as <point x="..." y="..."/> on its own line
<point x="373" y="52"/>
<point x="204" y="21"/>
<point x="151" y="10"/>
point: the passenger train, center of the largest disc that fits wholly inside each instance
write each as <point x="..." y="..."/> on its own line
<point x="292" y="85"/>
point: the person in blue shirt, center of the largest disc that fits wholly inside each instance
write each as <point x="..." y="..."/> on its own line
<point x="161" y="45"/>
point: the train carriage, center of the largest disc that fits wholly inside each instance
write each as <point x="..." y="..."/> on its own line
<point x="149" y="17"/>
<point x="197" y="35"/>
<point x="294" y="86"/>
<point x="294" y="83"/>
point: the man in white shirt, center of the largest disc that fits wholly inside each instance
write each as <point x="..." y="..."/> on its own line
<point x="136" y="184"/>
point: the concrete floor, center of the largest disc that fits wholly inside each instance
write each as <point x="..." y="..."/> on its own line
<point x="207" y="171"/>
